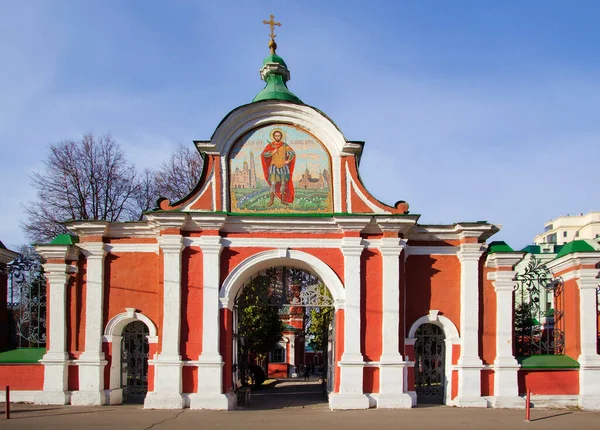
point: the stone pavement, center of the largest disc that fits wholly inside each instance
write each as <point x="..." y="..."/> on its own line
<point x="290" y="404"/>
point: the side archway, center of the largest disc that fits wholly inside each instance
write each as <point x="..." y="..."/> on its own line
<point x="452" y="337"/>
<point x="113" y="336"/>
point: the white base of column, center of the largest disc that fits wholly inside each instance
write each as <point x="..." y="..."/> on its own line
<point x="52" y="398"/>
<point x="507" y="402"/>
<point x="589" y="403"/>
<point x="394" y="401"/>
<point x="88" y="398"/>
<point x="339" y="401"/>
<point x="114" y="396"/>
<point x="470" y="402"/>
<point x="167" y="384"/>
<point x="164" y="401"/>
<point x="217" y="402"/>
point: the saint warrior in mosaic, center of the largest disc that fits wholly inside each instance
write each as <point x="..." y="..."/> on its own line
<point x="278" y="161"/>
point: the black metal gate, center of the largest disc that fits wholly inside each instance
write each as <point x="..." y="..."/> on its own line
<point x="429" y="364"/>
<point x="134" y="362"/>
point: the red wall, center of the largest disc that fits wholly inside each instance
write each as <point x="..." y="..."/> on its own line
<point x="487" y="323"/>
<point x="549" y="381"/>
<point x="372" y="307"/>
<point x="191" y="304"/>
<point x="22" y="376"/>
<point x="433" y="282"/>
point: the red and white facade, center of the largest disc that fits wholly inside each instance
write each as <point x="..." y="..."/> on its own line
<point x="180" y="270"/>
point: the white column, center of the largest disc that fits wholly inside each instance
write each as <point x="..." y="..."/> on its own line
<point x="210" y="367"/>
<point x="168" y="364"/>
<point x="351" y="394"/>
<point x="55" y="361"/>
<point x="91" y="362"/>
<point x="391" y="368"/>
<point x="506" y="367"/>
<point x="589" y="360"/>
<point x="469" y="363"/>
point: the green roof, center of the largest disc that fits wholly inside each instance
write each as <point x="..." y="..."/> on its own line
<point x="584" y="245"/>
<point x="532" y="249"/>
<point x="22" y="355"/>
<point x="276" y="90"/>
<point x="274" y="58"/>
<point x="499" y="246"/>
<point x="64" y="239"/>
<point x="548" y="362"/>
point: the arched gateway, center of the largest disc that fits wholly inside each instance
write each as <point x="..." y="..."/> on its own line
<point x="279" y="186"/>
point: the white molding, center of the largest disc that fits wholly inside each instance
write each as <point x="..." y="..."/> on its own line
<point x="116" y="248"/>
<point x="267" y="242"/>
<point x="350" y="183"/>
<point x="431" y="250"/>
<point x="116" y="324"/>
<point x="262" y="260"/>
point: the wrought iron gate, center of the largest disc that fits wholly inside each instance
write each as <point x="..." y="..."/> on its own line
<point x="134" y="362"/>
<point x="429" y="364"/>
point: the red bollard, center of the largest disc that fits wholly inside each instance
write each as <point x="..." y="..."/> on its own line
<point x="528" y="406"/>
<point x="7" y="403"/>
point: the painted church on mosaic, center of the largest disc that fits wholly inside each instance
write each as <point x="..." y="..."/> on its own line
<point x="422" y="313"/>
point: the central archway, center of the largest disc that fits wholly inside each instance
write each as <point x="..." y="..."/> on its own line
<point x="259" y="264"/>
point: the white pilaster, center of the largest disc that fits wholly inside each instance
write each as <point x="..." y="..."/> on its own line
<point x="91" y="362"/>
<point x="392" y="366"/>
<point x="506" y="367"/>
<point x="351" y="394"/>
<point x="589" y="360"/>
<point x="210" y="363"/>
<point x="55" y="361"/>
<point x="168" y="364"/>
<point x="469" y="363"/>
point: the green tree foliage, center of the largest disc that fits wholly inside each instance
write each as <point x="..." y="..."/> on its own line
<point x="259" y="324"/>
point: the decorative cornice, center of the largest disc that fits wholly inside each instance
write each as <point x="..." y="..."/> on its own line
<point x="208" y="221"/>
<point x="352" y="223"/>
<point x="62" y="252"/>
<point x="89" y="228"/>
<point x="503" y="259"/>
<point x="431" y="250"/>
<point x="165" y="220"/>
<point x="131" y="247"/>
<point x="573" y="260"/>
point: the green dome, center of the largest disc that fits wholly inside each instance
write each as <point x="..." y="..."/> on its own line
<point x="274" y="58"/>
<point x="276" y="90"/>
<point x="275" y="73"/>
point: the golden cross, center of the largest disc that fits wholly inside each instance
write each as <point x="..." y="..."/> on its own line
<point x="271" y="23"/>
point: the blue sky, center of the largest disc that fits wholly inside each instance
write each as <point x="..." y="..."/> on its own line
<point x="471" y="110"/>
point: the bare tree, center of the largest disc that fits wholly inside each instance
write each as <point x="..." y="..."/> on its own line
<point x="89" y="179"/>
<point x="176" y="177"/>
<point x="147" y="193"/>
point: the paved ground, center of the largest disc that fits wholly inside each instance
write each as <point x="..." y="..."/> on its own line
<point x="291" y="404"/>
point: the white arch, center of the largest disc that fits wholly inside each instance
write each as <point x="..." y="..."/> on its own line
<point x="280" y="257"/>
<point x="117" y="323"/>
<point x="452" y="338"/>
<point x="112" y="334"/>
<point x="450" y="330"/>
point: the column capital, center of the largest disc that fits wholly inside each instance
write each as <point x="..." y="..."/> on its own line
<point x="208" y="221"/>
<point x="58" y="271"/>
<point x="93" y="250"/>
<point x="470" y="252"/>
<point x="392" y="246"/>
<point x="171" y="243"/>
<point x="211" y="244"/>
<point x="588" y="279"/>
<point x="352" y="246"/>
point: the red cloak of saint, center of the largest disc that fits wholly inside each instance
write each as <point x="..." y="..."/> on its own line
<point x="266" y="162"/>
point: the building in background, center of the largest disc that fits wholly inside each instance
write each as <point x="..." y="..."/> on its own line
<point x="568" y="228"/>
